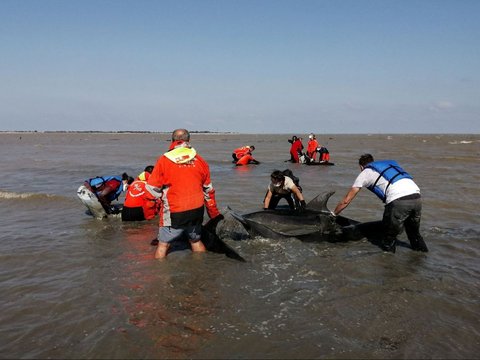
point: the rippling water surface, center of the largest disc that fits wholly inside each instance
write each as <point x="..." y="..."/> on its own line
<point x="75" y="287"/>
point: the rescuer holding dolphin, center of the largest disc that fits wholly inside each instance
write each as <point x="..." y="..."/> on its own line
<point x="396" y="188"/>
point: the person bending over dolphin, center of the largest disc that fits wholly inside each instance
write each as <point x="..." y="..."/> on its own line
<point x="403" y="204"/>
<point x="243" y="156"/>
<point x="282" y="187"/>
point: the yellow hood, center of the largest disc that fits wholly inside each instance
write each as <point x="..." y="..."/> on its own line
<point x="181" y="155"/>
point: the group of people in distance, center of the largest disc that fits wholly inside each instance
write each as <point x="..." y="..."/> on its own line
<point x="297" y="154"/>
<point x="179" y="188"/>
<point x="243" y="155"/>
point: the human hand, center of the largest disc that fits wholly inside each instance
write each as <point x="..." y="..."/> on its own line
<point x="213" y="222"/>
<point x="219" y="218"/>
<point x="303" y="205"/>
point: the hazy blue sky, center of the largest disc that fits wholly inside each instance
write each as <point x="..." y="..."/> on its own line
<point x="256" y="66"/>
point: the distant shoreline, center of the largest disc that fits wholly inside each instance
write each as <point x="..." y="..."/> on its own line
<point x="109" y="132"/>
<point x="208" y="132"/>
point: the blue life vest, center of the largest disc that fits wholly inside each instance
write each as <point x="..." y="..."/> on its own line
<point x="98" y="181"/>
<point x="390" y="171"/>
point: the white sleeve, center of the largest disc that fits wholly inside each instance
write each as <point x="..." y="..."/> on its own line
<point x="366" y="178"/>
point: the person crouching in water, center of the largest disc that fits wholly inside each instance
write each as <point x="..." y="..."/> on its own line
<point x="243" y="155"/>
<point x="108" y="189"/>
<point x="139" y="204"/>
<point x="282" y="187"/>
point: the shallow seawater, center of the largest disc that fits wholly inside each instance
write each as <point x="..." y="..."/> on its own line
<point x="75" y="287"/>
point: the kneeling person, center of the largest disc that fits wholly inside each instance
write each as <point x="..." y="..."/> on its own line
<point x="139" y="204"/>
<point x="282" y="187"/>
<point x="243" y="156"/>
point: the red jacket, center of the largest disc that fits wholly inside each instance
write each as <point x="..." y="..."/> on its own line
<point x="296" y="148"/>
<point x="245" y="159"/>
<point x="138" y="196"/>
<point x="312" y="147"/>
<point x="183" y="178"/>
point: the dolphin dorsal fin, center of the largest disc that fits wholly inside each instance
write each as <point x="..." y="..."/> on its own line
<point x="319" y="202"/>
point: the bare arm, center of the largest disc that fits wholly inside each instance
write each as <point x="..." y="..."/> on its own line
<point x="267" y="199"/>
<point x="297" y="193"/>
<point x="346" y="200"/>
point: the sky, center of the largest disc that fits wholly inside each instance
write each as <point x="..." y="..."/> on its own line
<point x="247" y="66"/>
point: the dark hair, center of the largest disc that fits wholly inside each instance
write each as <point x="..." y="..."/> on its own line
<point x="252" y="147"/>
<point x="180" y="134"/>
<point x="128" y="178"/>
<point x="365" y="159"/>
<point x="277" y="175"/>
<point x="148" y="168"/>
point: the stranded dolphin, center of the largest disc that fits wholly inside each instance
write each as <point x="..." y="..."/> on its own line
<point x="316" y="223"/>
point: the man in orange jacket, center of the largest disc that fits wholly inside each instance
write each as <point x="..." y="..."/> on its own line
<point x="181" y="179"/>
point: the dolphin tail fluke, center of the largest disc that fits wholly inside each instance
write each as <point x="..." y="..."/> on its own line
<point x="319" y="202"/>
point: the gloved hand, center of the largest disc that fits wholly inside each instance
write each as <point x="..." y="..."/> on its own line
<point x="219" y="218"/>
<point x="303" y="205"/>
<point x="212" y="223"/>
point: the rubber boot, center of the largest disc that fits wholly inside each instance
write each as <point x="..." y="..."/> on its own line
<point x="389" y="247"/>
<point x="419" y="245"/>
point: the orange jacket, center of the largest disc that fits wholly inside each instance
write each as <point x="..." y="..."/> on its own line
<point x="241" y="151"/>
<point x="138" y="196"/>
<point x="183" y="179"/>
<point x="245" y="159"/>
<point x="312" y="148"/>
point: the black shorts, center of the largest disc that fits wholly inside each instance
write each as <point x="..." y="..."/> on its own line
<point x="132" y="214"/>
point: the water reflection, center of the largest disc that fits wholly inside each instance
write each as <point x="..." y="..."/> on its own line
<point x="170" y="301"/>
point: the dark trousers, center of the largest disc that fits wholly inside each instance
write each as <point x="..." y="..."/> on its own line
<point x="276" y="198"/>
<point x="132" y="214"/>
<point x="399" y="214"/>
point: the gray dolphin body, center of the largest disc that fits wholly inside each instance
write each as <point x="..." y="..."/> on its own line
<point x="316" y="223"/>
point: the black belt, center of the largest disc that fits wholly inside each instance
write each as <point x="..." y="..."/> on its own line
<point x="410" y="197"/>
